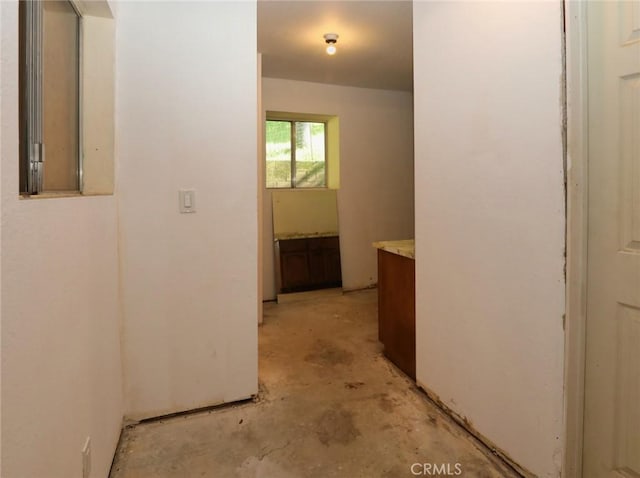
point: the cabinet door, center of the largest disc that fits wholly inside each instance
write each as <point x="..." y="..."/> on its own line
<point x="396" y="310"/>
<point x="332" y="268"/>
<point x="316" y="267"/>
<point x="294" y="270"/>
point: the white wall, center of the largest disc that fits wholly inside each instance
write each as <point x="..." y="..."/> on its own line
<point x="260" y="179"/>
<point x="375" y="199"/>
<point x="2" y="41"/>
<point x="490" y="220"/>
<point x="186" y="118"/>
<point x="61" y="368"/>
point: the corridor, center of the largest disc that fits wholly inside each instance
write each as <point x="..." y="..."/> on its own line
<point x="330" y="405"/>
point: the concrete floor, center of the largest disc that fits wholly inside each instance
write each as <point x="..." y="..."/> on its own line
<point x="330" y="406"/>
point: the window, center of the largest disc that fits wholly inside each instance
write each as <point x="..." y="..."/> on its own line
<point x="296" y="154"/>
<point x="49" y="96"/>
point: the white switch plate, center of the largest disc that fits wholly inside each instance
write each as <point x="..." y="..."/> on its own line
<point x="187" y="200"/>
<point x="86" y="459"/>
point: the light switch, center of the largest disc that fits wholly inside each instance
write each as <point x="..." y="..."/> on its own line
<point x="187" y="199"/>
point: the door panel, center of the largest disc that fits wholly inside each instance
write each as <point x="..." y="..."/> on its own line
<point x="628" y="391"/>
<point x="612" y="374"/>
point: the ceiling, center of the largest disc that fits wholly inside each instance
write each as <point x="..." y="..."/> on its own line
<point x="375" y="48"/>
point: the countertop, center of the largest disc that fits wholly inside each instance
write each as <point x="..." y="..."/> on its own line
<point x="405" y="248"/>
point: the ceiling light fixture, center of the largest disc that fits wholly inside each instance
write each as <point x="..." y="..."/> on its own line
<point x="331" y="39"/>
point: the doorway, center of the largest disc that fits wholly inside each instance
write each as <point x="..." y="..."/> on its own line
<point x="368" y="109"/>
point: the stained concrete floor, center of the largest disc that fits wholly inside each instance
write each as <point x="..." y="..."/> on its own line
<point x="330" y="405"/>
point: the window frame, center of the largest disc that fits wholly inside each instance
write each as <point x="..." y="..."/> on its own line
<point x="31" y="85"/>
<point x="292" y="121"/>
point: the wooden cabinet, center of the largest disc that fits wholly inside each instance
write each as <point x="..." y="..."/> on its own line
<point x="309" y="263"/>
<point x="397" y="310"/>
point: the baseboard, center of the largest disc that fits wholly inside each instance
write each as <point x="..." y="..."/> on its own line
<point x="464" y="423"/>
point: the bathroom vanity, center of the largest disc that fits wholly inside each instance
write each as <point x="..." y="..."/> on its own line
<point x="308" y="263"/>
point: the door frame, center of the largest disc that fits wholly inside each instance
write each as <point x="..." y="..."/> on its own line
<point x="575" y="13"/>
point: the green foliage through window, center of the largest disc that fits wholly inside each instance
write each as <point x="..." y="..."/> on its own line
<point x="295" y="152"/>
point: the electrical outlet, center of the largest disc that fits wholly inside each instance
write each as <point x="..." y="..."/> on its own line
<point x="86" y="459"/>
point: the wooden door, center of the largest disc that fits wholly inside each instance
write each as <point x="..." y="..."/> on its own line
<point x="612" y="375"/>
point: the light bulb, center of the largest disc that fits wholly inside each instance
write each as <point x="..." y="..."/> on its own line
<point x="331" y="50"/>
